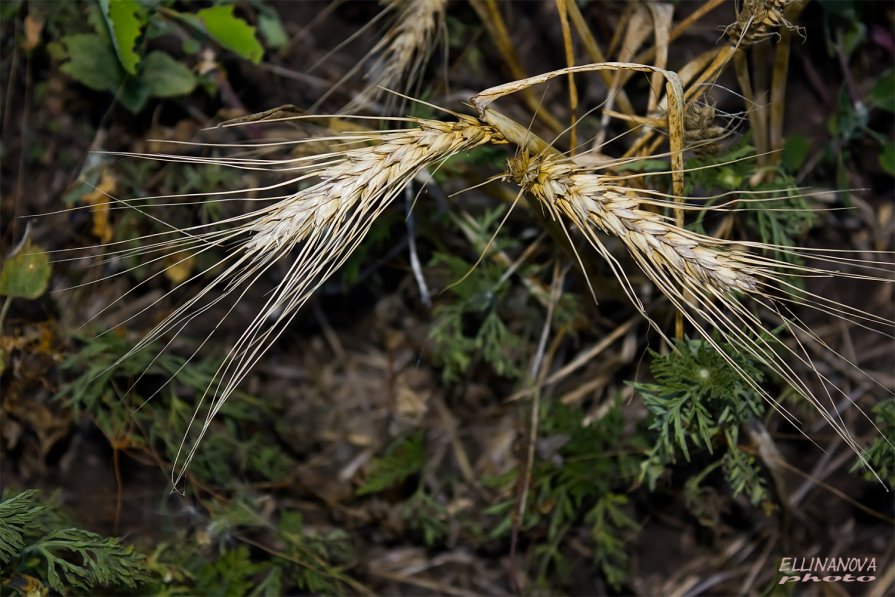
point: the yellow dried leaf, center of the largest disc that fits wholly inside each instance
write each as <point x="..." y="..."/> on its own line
<point x="33" y="28"/>
<point x="180" y="266"/>
<point x="100" y="199"/>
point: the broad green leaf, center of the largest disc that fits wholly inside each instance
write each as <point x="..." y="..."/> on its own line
<point x="166" y="77"/>
<point x="795" y="151"/>
<point x="887" y="158"/>
<point x="92" y="62"/>
<point x="272" y="29"/>
<point x="125" y="20"/>
<point x="26" y="274"/>
<point x="883" y="93"/>
<point x="230" y="31"/>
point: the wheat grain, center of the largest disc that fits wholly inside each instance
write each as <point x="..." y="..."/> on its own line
<point x="645" y="233"/>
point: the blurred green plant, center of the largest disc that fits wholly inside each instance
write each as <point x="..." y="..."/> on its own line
<point x="851" y="122"/>
<point x="579" y="479"/>
<point x="881" y="453"/>
<point x="116" y="55"/>
<point x="62" y="559"/>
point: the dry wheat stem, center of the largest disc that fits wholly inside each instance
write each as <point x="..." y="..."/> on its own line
<point x="705" y="279"/>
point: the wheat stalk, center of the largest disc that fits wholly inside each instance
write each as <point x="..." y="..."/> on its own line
<point x="318" y="227"/>
<point x="705" y="278"/>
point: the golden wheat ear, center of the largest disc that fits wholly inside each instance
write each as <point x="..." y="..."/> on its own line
<point x="724" y="289"/>
<point x="397" y="60"/>
<point x="315" y="217"/>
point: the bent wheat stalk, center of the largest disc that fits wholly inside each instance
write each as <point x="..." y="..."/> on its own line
<point x="713" y="283"/>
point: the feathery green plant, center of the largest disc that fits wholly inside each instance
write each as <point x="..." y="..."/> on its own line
<point x="63" y="559"/>
<point x="698" y="401"/>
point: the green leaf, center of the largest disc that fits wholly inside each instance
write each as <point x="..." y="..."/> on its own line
<point x="795" y="150"/>
<point x="883" y="93"/>
<point x="18" y="516"/>
<point x="92" y="62"/>
<point x="166" y="77"/>
<point x="405" y="459"/>
<point x="125" y="20"/>
<point x="272" y="29"/>
<point x="133" y="94"/>
<point x="26" y="274"/>
<point x="887" y="158"/>
<point x="229" y="31"/>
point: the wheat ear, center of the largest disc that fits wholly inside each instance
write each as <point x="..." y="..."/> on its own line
<point x="396" y="61"/>
<point x="317" y="228"/>
<point x="703" y="277"/>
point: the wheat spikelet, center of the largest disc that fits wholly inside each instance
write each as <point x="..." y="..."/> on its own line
<point x="317" y="228"/>
<point x="703" y="277"/>
<point x="647" y="234"/>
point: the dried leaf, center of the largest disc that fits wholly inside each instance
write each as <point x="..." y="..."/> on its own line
<point x="100" y="199"/>
<point x="33" y="28"/>
<point x="180" y="266"/>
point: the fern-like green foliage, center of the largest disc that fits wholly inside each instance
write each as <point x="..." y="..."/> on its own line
<point x="698" y="401"/>
<point x="477" y="301"/>
<point x="218" y="559"/>
<point x="19" y="515"/>
<point x="105" y="389"/>
<point x="423" y="512"/>
<point x="64" y="559"/>
<point x="75" y="558"/>
<point x="581" y="482"/>
<point x="403" y="459"/>
<point x="231" y="574"/>
<point x="881" y="453"/>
